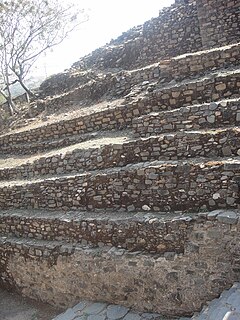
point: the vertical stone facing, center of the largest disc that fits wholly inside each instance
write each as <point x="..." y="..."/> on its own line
<point x="116" y="117"/>
<point x="169" y="283"/>
<point x="175" y="31"/>
<point x="165" y="186"/>
<point x="219" y="22"/>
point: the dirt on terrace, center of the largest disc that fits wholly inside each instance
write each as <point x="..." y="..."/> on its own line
<point x="25" y="121"/>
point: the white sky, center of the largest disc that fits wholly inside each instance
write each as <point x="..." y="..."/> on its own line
<point x="108" y="19"/>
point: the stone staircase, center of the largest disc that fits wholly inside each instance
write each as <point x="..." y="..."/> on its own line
<point x="134" y="199"/>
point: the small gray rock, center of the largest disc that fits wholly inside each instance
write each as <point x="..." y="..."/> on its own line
<point x="232" y="315"/>
<point x="95" y="308"/>
<point x="68" y="315"/>
<point x="213" y="214"/>
<point x="115" y="312"/>
<point x="211" y="119"/>
<point x="213" y="106"/>
<point x="229" y="217"/>
<point x="132" y="316"/>
<point x="80" y="306"/>
<point x="96" y="317"/>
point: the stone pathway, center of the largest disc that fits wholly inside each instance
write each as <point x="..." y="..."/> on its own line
<point x="227" y="307"/>
<point x="86" y="310"/>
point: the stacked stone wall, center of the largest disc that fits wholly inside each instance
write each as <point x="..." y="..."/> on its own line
<point x="120" y="83"/>
<point x="63" y="82"/>
<point x="179" y="29"/>
<point x="171" y="283"/>
<point x="154" y="233"/>
<point x="193" y="118"/>
<point x="170" y="97"/>
<point x="137" y="240"/>
<point x="182" y="145"/>
<point x="159" y="185"/>
<point x="186" y="26"/>
<point x="174" y="32"/>
<point x="219" y="22"/>
<point x="179" y="68"/>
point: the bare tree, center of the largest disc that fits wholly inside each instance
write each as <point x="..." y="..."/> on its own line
<point x="27" y="29"/>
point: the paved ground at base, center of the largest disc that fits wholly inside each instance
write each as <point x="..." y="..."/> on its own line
<point x="227" y="307"/>
<point x="15" y="307"/>
<point x="86" y="310"/>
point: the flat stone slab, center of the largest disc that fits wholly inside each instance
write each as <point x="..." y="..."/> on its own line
<point x="86" y="310"/>
<point x="229" y="217"/>
<point x="227" y="307"/>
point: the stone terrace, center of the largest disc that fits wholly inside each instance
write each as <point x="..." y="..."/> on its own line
<point x="134" y="199"/>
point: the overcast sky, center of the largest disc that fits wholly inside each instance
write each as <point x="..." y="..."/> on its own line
<point x="107" y="20"/>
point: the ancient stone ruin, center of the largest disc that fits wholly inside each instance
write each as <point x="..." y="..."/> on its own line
<point x="134" y="198"/>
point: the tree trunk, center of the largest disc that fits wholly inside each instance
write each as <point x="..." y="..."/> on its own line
<point x="29" y="93"/>
<point x="11" y="106"/>
<point x="10" y="103"/>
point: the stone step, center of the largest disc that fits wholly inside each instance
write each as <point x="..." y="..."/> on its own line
<point x="120" y="149"/>
<point x="201" y="62"/>
<point x="149" y="44"/>
<point x="43" y="146"/>
<point x="184" y="185"/>
<point x="227" y="307"/>
<point x="127" y="53"/>
<point x="64" y="273"/>
<point x="176" y="68"/>
<point x="215" y="87"/>
<point x="70" y="79"/>
<point x="149" y="232"/>
<point x="152" y="232"/>
<point x="194" y="117"/>
<point x="182" y="67"/>
<point x="212" y="87"/>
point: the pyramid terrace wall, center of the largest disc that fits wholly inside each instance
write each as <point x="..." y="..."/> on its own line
<point x="169" y="97"/>
<point x="219" y="22"/>
<point x="122" y="249"/>
<point x="197" y="117"/>
<point x="119" y="83"/>
<point x="160" y="185"/>
<point x="174" y="32"/>
<point x="187" y="26"/>
<point x="165" y="282"/>
<point x="182" y="145"/>
<point x="155" y="233"/>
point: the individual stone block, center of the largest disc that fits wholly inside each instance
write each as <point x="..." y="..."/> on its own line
<point x="228" y="217"/>
<point x="115" y="312"/>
